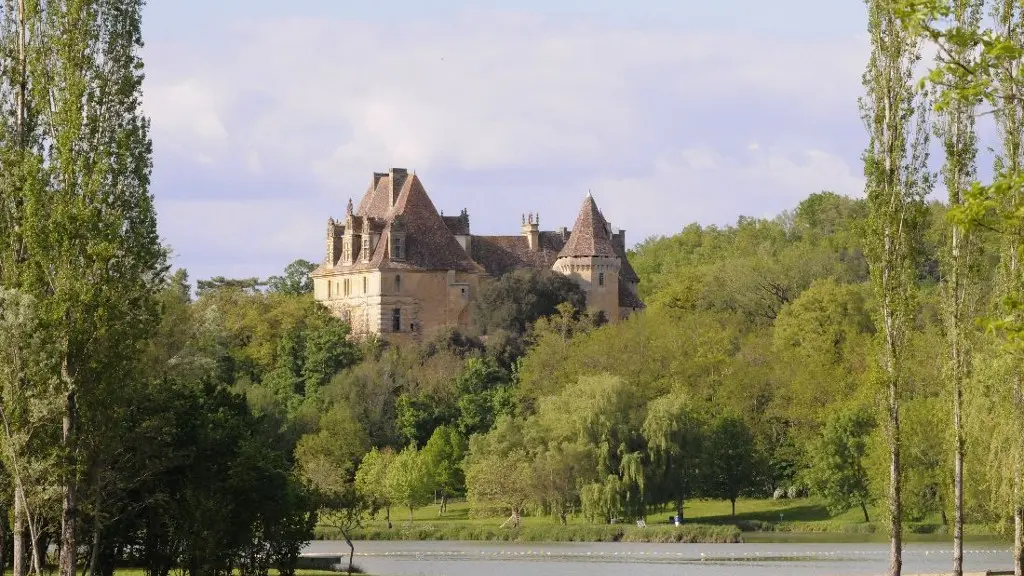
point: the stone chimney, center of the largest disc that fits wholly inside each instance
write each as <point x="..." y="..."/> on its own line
<point x="620" y="240"/>
<point x="397" y="180"/>
<point x="531" y="230"/>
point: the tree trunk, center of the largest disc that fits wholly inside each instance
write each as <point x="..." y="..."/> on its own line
<point x="69" y="515"/>
<point x="387" y="515"/>
<point x="561" y="517"/>
<point x="895" y="502"/>
<point x="20" y="568"/>
<point x="958" y="476"/>
<point x="3" y="540"/>
<point x="410" y="514"/>
<point x="39" y="545"/>
<point x="351" y="549"/>
<point x="733" y="500"/>
<point x="94" y="555"/>
<point x="864" y="509"/>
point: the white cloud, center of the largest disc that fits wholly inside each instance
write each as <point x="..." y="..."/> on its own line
<point x="188" y="111"/>
<point x="645" y="117"/>
<point x="719" y="188"/>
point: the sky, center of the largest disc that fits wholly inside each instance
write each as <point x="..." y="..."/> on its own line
<point x="268" y="116"/>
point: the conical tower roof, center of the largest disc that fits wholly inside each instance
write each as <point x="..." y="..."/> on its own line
<point x="591" y="235"/>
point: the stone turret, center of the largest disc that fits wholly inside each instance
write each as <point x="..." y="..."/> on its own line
<point x="590" y="258"/>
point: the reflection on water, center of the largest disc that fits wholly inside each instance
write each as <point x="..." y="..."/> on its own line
<point x="607" y="559"/>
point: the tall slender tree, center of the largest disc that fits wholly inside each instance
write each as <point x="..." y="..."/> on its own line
<point x="79" y="224"/>
<point x="956" y="128"/>
<point x="990" y="65"/>
<point x="1008" y="16"/>
<point x="897" y="182"/>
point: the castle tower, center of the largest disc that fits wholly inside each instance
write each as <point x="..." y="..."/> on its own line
<point x="590" y="258"/>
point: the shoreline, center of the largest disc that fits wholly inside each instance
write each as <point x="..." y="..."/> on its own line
<point x="658" y="534"/>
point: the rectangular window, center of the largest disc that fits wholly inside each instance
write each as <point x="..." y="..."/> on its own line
<point x="329" y="283"/>
<point x="600" y="279"/>
<point x="364" y="285"/>
<point x="396" y="248"/>
<point x="398" y="283"/>
<point x="396" y="320"/>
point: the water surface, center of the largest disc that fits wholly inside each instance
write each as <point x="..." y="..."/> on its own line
<point x="615" y="558"/>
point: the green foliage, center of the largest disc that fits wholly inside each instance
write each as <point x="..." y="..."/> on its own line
<point x="519" y="298"/>
<point x="675" y="433"/>
<point x="730" y="462"/>
<point x="837" y="468"/>
<point x="442" y="456"/>
<point x="297" y="279"/>
<point x="372" y="481"/>
<point x="483" y="396"/>
<point x="408" y="480"/>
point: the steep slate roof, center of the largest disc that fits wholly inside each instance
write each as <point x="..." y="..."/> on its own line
<point x="626" y="297"/>
<point x="626" y="271"/>
<point x="502" y="254"/>
<point x="457" y="224"/>
<point x="590" y="235"/>
<point x="429" y="245"/>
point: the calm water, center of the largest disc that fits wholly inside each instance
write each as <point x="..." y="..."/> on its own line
<point x="608" y="559"/>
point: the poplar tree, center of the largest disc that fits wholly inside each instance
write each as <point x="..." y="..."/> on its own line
<point x="894" y="165"/>
<point x="79" y="224"/>
<point x="989" y="64"/>
<point x="956" y="128"/>
<point x="1008" y="16"/>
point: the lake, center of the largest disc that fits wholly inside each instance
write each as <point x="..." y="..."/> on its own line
<point x="400" y="558"/>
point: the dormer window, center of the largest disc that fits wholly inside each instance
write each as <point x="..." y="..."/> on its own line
<point x="346" y="251"/>
<point x="366" y="247"/>
<point x="397" y="247"/>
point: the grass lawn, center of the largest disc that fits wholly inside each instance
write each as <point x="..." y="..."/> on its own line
<point x="799" y="519"/>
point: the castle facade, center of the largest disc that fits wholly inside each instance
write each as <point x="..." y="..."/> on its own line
<point x="397" y="268"/>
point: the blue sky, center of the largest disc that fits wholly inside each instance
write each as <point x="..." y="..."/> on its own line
<point x="267" y="116"/>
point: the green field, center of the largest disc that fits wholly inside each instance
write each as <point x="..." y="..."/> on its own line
<point x="761" y="520"/>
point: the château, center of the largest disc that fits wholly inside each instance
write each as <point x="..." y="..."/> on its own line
<point x="397" y="268"/>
